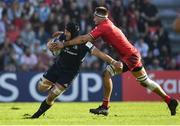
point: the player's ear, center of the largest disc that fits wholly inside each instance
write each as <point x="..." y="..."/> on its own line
<point x="58" y="33"/>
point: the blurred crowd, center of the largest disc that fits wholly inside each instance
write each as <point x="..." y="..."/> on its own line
<point x="26" y="26"/>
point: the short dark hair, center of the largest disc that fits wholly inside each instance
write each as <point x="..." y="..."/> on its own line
<point x="101" y="11"/>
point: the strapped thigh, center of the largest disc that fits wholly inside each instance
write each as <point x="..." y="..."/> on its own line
<point x="58" y="89"/>
<point x="43" y="82"/>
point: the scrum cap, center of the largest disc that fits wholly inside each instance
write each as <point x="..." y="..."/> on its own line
<point x="73" y="29"/>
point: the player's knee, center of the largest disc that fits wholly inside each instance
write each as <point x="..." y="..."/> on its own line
<point x="44" y="85"/>
<point x="57" y="90"/>
<point x="54" y="93"/>
<point x="112" y="70"/>
<point x="147" y="82"/>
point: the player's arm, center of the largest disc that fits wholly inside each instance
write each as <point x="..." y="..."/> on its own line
<point x="96" y="52"/>
<point x="78" y="40"/>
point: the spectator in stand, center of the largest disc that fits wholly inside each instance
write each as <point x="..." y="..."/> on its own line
<point x="9" y="12"/>
<point x="28" y="10"/>
<point x="140" y="20"/>
<point x="155" y="65"/>
<point x="153" y="44"/>
<point x="83" y="23"/>
<point x="142" y="46"/>
<point x="178" y="61"/>
<point x="2" y="31"/>
<point x="10" y="61"/>
<point x="163" y="39"/>
<point x="132" y="20"/>
<point x="43" y="57"/>
<point x="28" y="60"/>
<point x="36" y="48"/>
<point x="117" y="12"/>
<point x="2" y="8"/>
<point x="44" y="12"/>
<point x="164" y="57"/>
<point x="176" y="23"/>
<point x="150" y="13"/>
<point x="74" y="11"/>
<point x="42" y="35"/>
<point x="13" y="33"/>
<point x="172" y="65"/>
<point x="10" y="57"/>
<point x="28" y="35"/>
<point x="35" y="21"/>
<point x="17" y="9"/>
<point x="51" y="21"/>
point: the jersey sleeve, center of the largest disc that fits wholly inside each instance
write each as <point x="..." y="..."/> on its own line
<point x="96" y="32"/>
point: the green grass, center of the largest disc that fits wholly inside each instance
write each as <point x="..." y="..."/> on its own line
<point x="147" y="113"/>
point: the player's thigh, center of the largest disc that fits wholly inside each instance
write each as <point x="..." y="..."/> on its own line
<point x="66" y="77"/>
<point x="44" y="84"/>
<point x="52" y="73"/>
<point x="64" y="80"/>
<point x="49" y="78"/>
<point x="56" y="91"/>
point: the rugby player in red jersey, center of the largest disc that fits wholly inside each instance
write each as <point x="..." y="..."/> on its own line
<point x="129" y="56"/>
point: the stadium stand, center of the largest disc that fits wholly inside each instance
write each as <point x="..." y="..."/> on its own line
<point x="26" y="25"/>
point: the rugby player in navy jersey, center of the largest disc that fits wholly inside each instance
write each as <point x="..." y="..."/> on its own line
<point x="60" y="75"/>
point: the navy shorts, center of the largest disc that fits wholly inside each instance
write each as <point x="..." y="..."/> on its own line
<point x="57" y="74"/>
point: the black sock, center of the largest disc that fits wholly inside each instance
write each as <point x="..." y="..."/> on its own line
<point x="43" y="108"/>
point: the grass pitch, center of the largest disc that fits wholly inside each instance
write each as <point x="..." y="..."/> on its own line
<point x="77" y="113"/>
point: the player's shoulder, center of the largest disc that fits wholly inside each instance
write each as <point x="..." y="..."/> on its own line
<point x="105" y="25"/>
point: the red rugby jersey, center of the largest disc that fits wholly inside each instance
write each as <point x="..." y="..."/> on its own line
<point x="114" y="36"/>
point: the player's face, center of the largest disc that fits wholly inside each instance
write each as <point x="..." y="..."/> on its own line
<point x="68" y="35"/>
<point x="96" y="20"/>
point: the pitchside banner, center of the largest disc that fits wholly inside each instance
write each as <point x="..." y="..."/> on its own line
<point x="22" y="86"/>
<point x="168" y="80"/>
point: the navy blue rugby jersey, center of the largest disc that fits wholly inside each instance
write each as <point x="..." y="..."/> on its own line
<point x="71" y="57"/>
